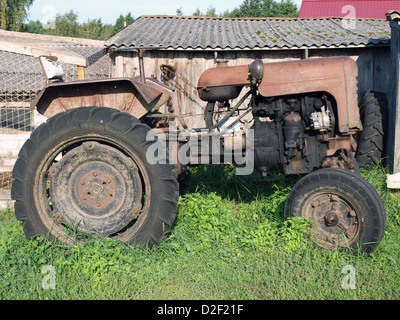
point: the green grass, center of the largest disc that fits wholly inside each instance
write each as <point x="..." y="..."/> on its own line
<point x="230" y="241"/>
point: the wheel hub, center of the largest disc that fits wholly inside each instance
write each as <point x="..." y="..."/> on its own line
<point x="95" y="188"/>
<point x="331" y="219"/>
<point x="336" y="223"/>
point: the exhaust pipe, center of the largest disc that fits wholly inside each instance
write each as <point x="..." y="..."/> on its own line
<point x="141" y="65"/>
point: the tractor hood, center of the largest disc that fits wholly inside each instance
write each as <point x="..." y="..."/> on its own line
<point x="334" y="75"/>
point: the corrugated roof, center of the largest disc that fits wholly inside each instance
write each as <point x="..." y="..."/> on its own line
<point x="199" y="33"/>
<point x="374" y="9"/>
<point x="83" y="52"/>
<point x="20" y="70"/>
<point x="23" y="74"/>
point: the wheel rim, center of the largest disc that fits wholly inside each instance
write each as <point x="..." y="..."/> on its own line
<point x="336" y="221"/>
<point x="88" y="186"/>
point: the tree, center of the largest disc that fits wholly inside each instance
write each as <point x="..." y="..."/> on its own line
<point x="107" y="33"/>
<point x="211" y="12"/>
<point x="197" y="13"/>
<point x="286" y="8"/>
<point x="95" y="29"/>
<point x="34" y="27"/>
<point x="256" y="8"/>
<point x="66" y="25"/>
<point x="92" y="29"/>
<point x="123" y="21"/>
<point x="179" y="12"/>
<point x="13" y="13"/>
<point x="235" y="13"/>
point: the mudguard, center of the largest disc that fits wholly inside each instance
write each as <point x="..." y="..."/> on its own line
<point x="124" y="94"/>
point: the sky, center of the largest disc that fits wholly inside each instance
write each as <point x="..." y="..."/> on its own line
<point x="109" y="10"/>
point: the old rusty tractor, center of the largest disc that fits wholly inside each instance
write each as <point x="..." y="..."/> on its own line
<point x="107" y="161"/>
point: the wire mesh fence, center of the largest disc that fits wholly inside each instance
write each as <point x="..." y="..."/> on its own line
<point x="21" y="79"/>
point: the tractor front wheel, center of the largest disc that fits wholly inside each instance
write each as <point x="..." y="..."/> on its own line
<point x="345" y="210"/>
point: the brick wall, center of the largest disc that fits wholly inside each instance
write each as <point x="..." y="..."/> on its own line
<point x="10" y="144"/>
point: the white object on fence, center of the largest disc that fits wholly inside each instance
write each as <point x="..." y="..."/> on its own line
<point x="51" y="67"/>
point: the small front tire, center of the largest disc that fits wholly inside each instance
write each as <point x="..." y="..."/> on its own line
<point x="345" y="210"/>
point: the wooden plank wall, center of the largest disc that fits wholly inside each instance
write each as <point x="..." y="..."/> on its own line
<point x="373" y="66"/>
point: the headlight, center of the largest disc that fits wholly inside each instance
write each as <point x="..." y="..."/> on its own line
<point x="256" y="70"/>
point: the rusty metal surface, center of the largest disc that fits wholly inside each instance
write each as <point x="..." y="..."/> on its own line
<point x="124" y="94"/>
<point x="340" y="142"/>
<point x="106" y="159"/>
<point x="96" y="184"/>
<point x="334" y="75"/>
<point x="166" y="92"/>
<point x="337" y="224"/>
<point x="224" y="76"/>
<point x="171" y="115"/>
<point x="222" y="83"/>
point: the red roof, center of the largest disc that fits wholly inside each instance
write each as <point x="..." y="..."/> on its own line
<point x="374" y="9"/>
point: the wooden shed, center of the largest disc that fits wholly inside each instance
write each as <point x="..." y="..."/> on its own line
<point x="187" y="46"/>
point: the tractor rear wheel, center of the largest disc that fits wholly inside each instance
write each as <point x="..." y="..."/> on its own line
<point x="371" y="140"/>
<point x="84" y="172"/>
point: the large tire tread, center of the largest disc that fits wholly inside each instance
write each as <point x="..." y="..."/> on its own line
<point x="371" y="140"/>
<point x="103" y="120"/>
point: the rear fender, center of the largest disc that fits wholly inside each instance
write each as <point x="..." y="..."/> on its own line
<point x="123" y="94"/>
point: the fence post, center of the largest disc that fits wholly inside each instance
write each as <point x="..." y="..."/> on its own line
<point x="393" y="136"/>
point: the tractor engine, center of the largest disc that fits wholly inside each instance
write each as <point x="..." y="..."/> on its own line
<point x="304" y="113"/>
<point x="291" y="133"/>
